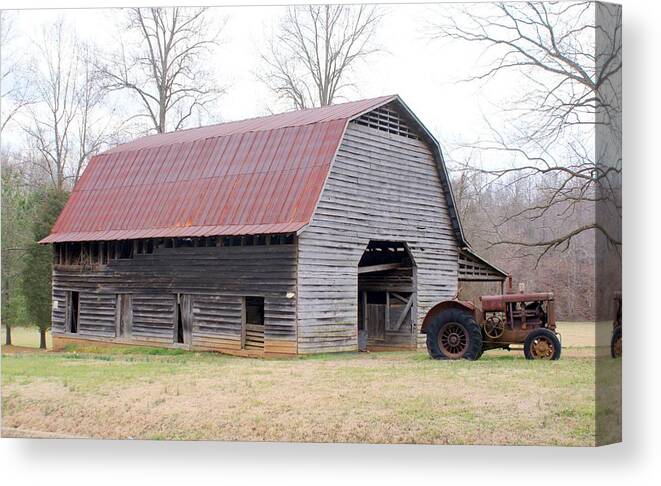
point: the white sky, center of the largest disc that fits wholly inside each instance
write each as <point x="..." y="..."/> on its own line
<point x="422" y="72"/>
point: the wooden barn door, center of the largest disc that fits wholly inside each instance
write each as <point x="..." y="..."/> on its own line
<point x="375" y="315"/>
<point x="385" y="311"/>
<point x="399" y="310"/>
<point x="124" y="315"/>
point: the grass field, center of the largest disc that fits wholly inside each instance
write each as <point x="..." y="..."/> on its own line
<point x="401" y="397"/>
<point x="27" y="337"/>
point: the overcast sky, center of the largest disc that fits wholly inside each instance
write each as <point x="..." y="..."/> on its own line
<point x="423" y="72"/>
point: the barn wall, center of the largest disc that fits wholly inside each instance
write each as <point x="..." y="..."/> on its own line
<point x="381" y="186"/>
<point x="216" y="277"/>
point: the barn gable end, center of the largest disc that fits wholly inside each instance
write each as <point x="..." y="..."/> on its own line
<point x="384" y="185"/>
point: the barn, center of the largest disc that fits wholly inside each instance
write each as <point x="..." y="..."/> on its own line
<point x="319" y="230"/>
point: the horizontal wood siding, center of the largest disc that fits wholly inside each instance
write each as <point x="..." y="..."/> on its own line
<point x="97" y="314"/>
<point x="398" y="280"/>
<point x="381" y="186"/>
<point x="153" y="317"/>
<point x="217" y="321"/>
<point x="217" y="279"/>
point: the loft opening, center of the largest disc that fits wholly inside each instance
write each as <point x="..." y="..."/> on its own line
<point x="388" y="119"/>
<point x="94" y="253"/>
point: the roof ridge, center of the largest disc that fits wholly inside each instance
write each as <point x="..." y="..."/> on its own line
<point x="117" y="148"/>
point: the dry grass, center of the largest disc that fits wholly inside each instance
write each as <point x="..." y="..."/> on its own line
<point x="351" y="397"/>
<point x="27" y="337"/>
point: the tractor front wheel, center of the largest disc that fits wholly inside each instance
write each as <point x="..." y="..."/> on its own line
<point x="616" y="342"/>
<point x="454" y="334"/>
<point x="542" y="344"/>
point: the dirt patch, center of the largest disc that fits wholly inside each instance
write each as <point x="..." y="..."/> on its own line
<point x="20" y="349"/>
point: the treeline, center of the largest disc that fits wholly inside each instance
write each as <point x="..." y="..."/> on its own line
<point x="28" y="213"/>
<point x="493" y="213"/>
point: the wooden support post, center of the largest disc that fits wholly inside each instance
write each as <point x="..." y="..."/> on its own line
<point x="387" y="316"/>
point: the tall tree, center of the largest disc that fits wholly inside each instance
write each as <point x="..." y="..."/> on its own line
<point x="162" y="60"/>
<point x="37" y="275"/>
<point x="311" y="57"/>
<point x="17" y="215"/>
<point x="569" y="55"/>
<point x="67" y="121"/>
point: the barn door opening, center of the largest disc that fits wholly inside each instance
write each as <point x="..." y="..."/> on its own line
<point x="73" y="312"/>
<point x="183" y="319"/>
<point x="252" y="335"/>
<point x="386" y="296"/>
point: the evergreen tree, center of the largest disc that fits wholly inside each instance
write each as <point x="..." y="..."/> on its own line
<point x="17" y="219"/>
<point x="37" y="275"/>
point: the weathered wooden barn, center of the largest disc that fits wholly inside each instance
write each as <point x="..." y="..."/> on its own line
<point x="318" y="230"/>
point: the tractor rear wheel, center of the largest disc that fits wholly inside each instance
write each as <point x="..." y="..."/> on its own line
<point x="616" y="342"/>
<point x="454" y="334"/>
<point x="542" y="344"/>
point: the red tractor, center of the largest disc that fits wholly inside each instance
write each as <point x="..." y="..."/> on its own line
<point x="458" y="329"/>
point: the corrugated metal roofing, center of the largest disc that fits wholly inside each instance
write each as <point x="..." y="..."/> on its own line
<point x="263" y="175"/>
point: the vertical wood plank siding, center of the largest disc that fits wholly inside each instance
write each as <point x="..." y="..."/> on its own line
<point x="217" y="278"/>
<point x="381" y="186"/>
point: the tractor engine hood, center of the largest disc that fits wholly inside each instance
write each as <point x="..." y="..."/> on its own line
<point x="496" y="303"/>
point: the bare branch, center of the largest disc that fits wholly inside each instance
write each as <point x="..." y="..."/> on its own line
<point x="67" y="120"/>
<point x="543" y="146"/>
<point x="162" y="64"/>
<point x="310" y="59"/>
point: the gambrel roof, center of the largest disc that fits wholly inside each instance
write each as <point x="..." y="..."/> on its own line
<point x="257" y="176"/>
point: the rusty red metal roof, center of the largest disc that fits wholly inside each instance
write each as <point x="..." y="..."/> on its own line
<point x="256" y="176"/>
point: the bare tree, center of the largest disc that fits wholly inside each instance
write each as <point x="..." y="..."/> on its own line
<point x="67" y="121"/>
<point x="310" y="58"/>
<point x="14" y="95"/>
<point x="570" y="273"/>
<point x="161" y="61"/>
<point x="548" y="138"/>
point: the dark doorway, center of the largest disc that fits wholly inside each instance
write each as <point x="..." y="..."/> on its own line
<point x="73" y="313"/>
<point x="183" y="319"/>
<point x="386" y="296"/>
<point x="252" y="336"/>
<point x="180" y="325"/>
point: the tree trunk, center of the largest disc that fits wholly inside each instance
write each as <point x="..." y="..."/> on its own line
<point x="42" y="338"/>
<point x="8" y="336"/>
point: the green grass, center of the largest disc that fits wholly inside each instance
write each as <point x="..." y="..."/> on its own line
<point x="396" y="397"/>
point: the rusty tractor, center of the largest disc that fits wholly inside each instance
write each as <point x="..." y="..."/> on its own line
<point x="458" y="329"/>
<point x="616" y="335"/>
